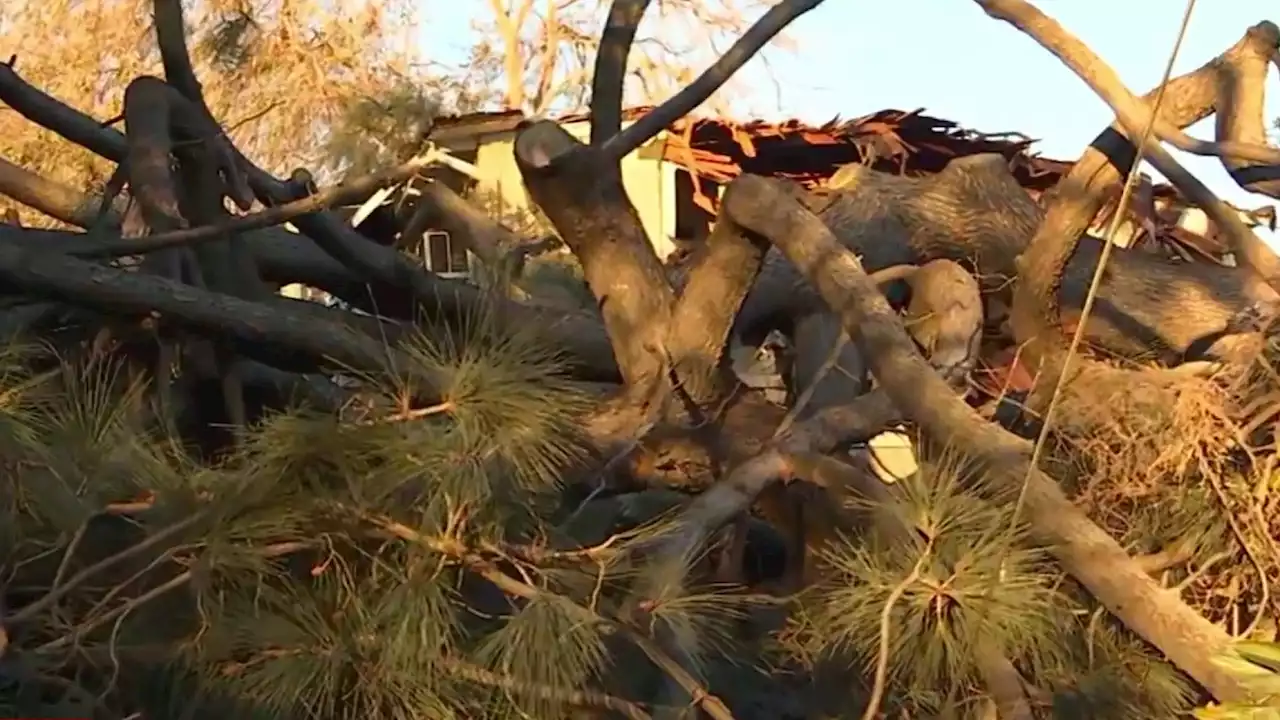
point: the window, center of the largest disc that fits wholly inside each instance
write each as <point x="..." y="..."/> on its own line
<point x="443" y="256"/>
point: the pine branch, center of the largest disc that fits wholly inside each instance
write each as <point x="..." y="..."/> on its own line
<point x="580" y="698"/>
<point x="49" y="599"/>
<point x="485" y="568"/>
<point x="886" y="627"/>
<point x="271" y="551"/>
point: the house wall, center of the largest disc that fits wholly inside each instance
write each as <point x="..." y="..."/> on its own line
<point x="649" y="182"/>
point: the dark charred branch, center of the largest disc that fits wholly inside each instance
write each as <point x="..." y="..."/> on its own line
<point x="163" y="124"/>
<point x="277" y="324"/>
<point x="365" y="259"/>
<point x="609" y="78"/>
<point x="147" y="118"/>
<point x="55" y="116"/>
<point x="317" y="202"/>
<point x="156" y="118"/>
<point x="1085" y="551"/>
<point x="171" y="36"/>
<point x="283" y="260"/>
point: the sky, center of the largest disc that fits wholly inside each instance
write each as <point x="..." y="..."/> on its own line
<point x="856" y="57"/>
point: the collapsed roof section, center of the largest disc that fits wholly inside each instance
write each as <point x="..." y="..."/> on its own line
<point x="715" y="150"/>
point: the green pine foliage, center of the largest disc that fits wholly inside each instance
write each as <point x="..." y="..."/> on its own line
<point x="401" y="563"/>
<point x="980" y="586"/>
<point x="329" y="568"/>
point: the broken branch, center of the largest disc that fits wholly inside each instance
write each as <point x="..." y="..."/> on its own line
<point x="56" y="276"/>
<point x="347" y="191"/>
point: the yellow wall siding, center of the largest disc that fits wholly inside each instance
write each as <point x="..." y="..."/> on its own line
<point x="649" y="182"/>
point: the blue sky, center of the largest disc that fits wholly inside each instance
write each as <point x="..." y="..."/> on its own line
<point x="855" y="57"/>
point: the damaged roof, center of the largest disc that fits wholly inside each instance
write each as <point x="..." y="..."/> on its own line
<point x="715" y="150"/>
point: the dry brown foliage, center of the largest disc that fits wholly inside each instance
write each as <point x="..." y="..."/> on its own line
<point x="277" y="75"/>
<point x="1139" y="428"/>
<point x="1180" y="465"/>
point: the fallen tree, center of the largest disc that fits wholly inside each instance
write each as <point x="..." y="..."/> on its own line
<point x="471" y="409"/>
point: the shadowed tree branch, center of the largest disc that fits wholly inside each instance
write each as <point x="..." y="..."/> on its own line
<point x="609" y="78"/>
<point x="56" y="276"/>
<point x="1136" y="115"/>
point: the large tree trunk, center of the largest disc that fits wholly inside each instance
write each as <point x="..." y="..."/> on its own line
<point x="975" y="213"/>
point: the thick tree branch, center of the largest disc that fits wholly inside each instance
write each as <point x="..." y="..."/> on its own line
<point x="171" y="36"/>
<point x="443" y="208"/>
<point x="280" y="324"/>
<point x="1107" y="84"/>
<point x="364" y="259"/>
<point x="1084" y="550"/>
<point x="608" y="82"/>
<point x="975" y="213"/>
<point x="722" y="275"/>
<point x="1077" y="199"/>
<point x="584" y="198"/>
<point x="56" y="116"/>
<point x="56" y="200"/>
<point x="1241" y="107"/>
<point x="340" y="194"/>
<point x="947" y="314"/>
<point x="284" y="260"/>
<point x="1135" y="115"/>
<point x="623" y="272"/>
<point x="149" y="108"/>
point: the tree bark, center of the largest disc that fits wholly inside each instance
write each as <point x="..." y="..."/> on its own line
<point x="974" y="213"/>
<point x="584" y="198"/>
<point x="1078" y="197"/>
<point x="1085" y="551"/>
